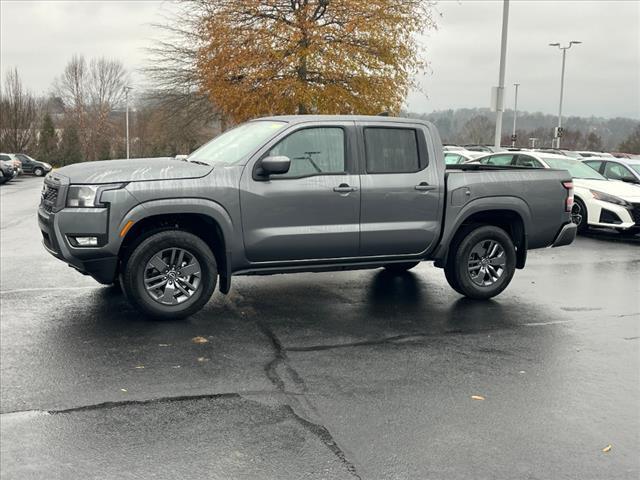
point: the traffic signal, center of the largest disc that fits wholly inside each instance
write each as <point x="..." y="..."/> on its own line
<point x="558" y="132"/>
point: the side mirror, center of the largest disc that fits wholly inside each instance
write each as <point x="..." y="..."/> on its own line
<point x="273" y="165"/>
<point x="182" y="158"/>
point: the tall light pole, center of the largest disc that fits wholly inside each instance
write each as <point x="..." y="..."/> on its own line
<point x="515" y="114"/>
<point x="126" y="99"/>
<point x="503" y="60"/>
<point x="558" y="132"/>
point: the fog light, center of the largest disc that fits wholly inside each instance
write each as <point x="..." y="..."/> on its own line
<point x="85" y="241"/>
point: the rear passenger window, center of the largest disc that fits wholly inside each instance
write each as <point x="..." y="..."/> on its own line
<point x="527" y="161"/>
<point x="497" y="160"/>
<point x="391" y="150"/>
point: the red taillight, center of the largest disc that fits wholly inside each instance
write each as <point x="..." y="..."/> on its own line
<point x="569" y="201"/>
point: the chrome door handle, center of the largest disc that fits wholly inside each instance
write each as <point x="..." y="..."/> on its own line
<point x="424" y="187"/>
<point x="344" y="188"/>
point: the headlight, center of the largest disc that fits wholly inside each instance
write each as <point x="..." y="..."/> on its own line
<point x="81" y="196"/>
<point x="605" y="197"/>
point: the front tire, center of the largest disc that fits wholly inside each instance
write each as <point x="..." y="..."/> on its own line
<point x="170" y="275"/>
<point x="38" y="172"/>
<point x="481" y="263"/>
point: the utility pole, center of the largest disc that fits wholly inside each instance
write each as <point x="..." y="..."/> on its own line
<point x="126" y="97"/>
<point x="515" y="114"/>
<point x="558" y="131"/>
<point x="503" y="61"/>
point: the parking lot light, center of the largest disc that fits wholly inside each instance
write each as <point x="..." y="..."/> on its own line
<point x="564" y="55"/>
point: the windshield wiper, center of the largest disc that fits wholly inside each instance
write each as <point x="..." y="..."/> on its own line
<point x="198" y="162"/>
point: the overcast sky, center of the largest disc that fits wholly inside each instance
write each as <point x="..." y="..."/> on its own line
<point x="602" y="78"/>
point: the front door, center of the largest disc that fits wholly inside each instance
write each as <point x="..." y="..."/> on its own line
<point x="401" y="191"/>
<point x="313" y="210"/>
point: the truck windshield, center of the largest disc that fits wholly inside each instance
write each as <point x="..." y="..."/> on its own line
<point x="235" y="144"/>
<point x="576" y="168"/>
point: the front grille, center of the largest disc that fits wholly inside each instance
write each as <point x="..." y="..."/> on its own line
<point x="49" y="198"/>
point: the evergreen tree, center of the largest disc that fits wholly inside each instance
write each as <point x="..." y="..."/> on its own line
<point x="70" y="149"/>
<point x="48" y="142"/>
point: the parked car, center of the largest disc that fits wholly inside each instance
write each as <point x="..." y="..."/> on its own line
<point x="623" y="169"/>
<point x="7" y="171"/>
<point x="483" y="148"/>
<point x="632" y="156"/>
<point x="294" y="194"/>
<point x="586" y="154"/>
<point x="598" y="201"/>
<point x="13" y="161"/>
<point x="453" y="148"/>
<point x="33" y="166"/>
<point x="460" y="156"/>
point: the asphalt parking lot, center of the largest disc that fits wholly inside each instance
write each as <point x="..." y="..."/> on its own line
<point x="332" y="375"/>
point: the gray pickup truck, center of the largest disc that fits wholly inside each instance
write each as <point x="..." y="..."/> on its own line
<point x="300" y="194"/>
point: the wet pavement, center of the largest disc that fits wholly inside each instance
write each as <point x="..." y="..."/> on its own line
<point x="332" y="375"/>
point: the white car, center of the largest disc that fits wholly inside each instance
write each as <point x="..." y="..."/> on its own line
<point x="460" y="156"/>
<point x="598" y="202"/>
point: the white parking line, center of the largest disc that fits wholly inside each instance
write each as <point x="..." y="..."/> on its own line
<point x="18" y="290"/>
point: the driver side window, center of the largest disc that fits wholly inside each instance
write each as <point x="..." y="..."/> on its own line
<point x="615" y="171"/>
<point x="312" y="151"/>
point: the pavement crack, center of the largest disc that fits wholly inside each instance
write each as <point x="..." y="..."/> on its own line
<point x="326" y="438"/>
<point x="280" y="363"/>
<point x="362" y="343"/>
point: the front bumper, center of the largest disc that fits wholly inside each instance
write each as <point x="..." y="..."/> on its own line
<point x="566" y="235"/>
<point x="58" y="224"/>
<point x="610" y="215"/>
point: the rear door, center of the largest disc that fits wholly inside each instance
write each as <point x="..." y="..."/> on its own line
<point x="401" y="190"/>
<point x="313" y="210"/>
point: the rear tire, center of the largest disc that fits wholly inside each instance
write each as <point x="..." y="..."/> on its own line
<point x="580" y="215"/>
<point x="169" y="275"/>
<point x="399" y="268"/>
<point x="38" y="172"/>
<point x="481" y="262"/>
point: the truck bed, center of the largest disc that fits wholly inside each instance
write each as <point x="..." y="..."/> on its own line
<point x="536" y="194"/>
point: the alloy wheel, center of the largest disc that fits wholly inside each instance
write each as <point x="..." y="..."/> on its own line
<point x="576" y="213"/>
<point x="172" y="276"/>
<point x="487" y="262"/>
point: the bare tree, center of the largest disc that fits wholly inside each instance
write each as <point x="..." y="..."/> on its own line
<point x="90" y="92"/>
<point x="18" y="114"/>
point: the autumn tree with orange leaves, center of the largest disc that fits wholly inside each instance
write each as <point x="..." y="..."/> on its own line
<point x="260" y="57"/>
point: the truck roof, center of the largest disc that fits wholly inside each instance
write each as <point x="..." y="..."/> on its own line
<point x="344" y="118"/>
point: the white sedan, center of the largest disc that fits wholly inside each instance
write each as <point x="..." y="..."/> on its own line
<point x="598" y="202"/>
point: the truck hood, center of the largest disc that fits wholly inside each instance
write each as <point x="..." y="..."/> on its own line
<point x="623" y="190"/>
<point x="133" y="170"/>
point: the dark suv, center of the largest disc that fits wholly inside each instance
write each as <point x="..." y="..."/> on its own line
<point x="33" y="166"/>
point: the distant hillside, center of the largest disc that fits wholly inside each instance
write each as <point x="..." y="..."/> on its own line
<point x="477" y="125"/>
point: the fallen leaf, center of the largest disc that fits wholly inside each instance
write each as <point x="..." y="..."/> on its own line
<point x="203" y="359"/>
<point x="163" y="344"/>
<point x="199" y="340"/>
<point x="175" y="366"/>
<point x="123" y="390"/>
<point x="139" y="366"/>
<point x="607" y="449"/>
<point x="477" y="397"/>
